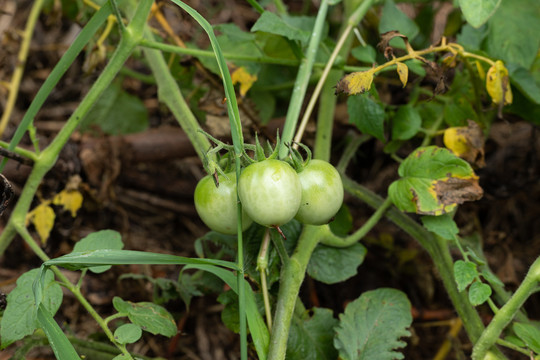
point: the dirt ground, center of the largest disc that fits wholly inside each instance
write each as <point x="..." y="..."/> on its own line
<point x="142" y="185"/>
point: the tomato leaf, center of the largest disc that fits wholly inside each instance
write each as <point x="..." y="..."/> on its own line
<point x="365" y="54"/>
<point x="406" y="123"/>
<point x="477" y="12"/>
<point x="464" y="273"/>
<point x="367" y="115"/>
<point x="149" y="316"/>
<point x="479" y="293"/>
<point x="467" y="142"/>
<point x="19" y="318"/>
<point x="392" y="18"/>
<point x="43" y="219"/>
<point x="498" y="84"/>
<point x="117" y="112"/>
<point x="530" y="334"/>
<point x="403" y="73"/>
<point x="128" y="333"/>
<point x="434" y="181"/>
<point x="332" y="265"/>
<point x="355" y="83"/>
<point x="372" y="325"/>
<point x="292" y="27"/>
<point x="70" y="200"/>
<point x="104" y="239"/>
<point x="522" y="79"/>
<point x="442" y="225"/>
<point x="312" y="337"/>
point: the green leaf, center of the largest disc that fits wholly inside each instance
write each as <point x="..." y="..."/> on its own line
<point x="513" y="32"/>
<point x="471" y="38"/>
<point x="522" y="79"/>
<point x="117" y="112"/>
<point x="332" y="265"/>
<point x="458" y="111"/>
<point x="311" y="338"/>
<point x="530" y="335"/>
<point x="406" y="124"/>
<point x="479" y="293"/>
<point x="229" y="314"/>
<point x="372" y="325"/>
<point x="365" y="54"/>
<point x="392" y="18"/>
<point x="104" y="239"/>
<point x="442" y="225"/>
<point x="343" y="221"/>
<point x="292" y="27"/>
<point x="367" y="115"/>
<point x="464" y="272"/>
<point x="128" y="334"/>
<point x="19" y="319"/>
<point x="477" y="12"/>
<point x="434" y="181"/>
<point x="149" y="316"/>
<point x="63" y="350"/>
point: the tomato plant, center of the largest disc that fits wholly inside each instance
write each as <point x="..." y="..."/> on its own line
<point x="270" y="192"/>
<point x="322" y="193"/>
<point x="217" y="205"/>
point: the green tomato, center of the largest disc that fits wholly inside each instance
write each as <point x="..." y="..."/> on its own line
<point x="216" y="206"/>
<point x="322" y="193"/>
<point x="270" y="192"/>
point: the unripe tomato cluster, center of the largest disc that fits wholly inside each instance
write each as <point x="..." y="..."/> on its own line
<point x="272" y="193"/>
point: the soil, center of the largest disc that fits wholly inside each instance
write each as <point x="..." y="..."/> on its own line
<point x="142" y="186"/>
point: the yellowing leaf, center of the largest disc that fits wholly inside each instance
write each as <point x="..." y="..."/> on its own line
<point x="43" y="219"/>
<point x="246" y="80"/>
<point x="355" y="83"/>
<point x="403" y="72"/>
<point x="498" y="84"/>
<point x="467" y="142"/>
<point x="70" y="199"/>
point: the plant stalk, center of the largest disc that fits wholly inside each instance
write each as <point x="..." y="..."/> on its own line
<point x="292" y="277"/>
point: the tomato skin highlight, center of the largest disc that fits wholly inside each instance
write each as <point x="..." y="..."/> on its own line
<point x="322" y="193"/>
<point x="216" y="206"/>
<point x="270" y="192"/>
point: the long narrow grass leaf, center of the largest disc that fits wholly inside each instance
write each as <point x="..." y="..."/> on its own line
<point x="63" y="65"/>
<point x="257" y="326"/>
<point x="80" y="260"/>
<point x="63" y="350"/>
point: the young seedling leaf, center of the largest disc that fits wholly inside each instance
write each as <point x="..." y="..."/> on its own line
<point x="372" y="325"/>
<point x="104" y="239"/>
<point x="479" y="293"/>
<point x="477" y="12"/>
<point x="128" y="334"/>
<point x="19" y="317"/>
<point x="498" y="84"/>
<point x="530" y="334"/>
<point x="406" y="123"/>
<point x="467" y="142"/>
<point x="149" y="316"/>
<point x="442" y="225"/>
<point x="312" y="337"/>
<point x="367" y="115"/>
<point x="332" y="265"/>
<point x="43" y="219"/>
<point x="464" y="272"/>
<point x="246" y="80"/>
<point x="355" y="83"/>
<point x="403" y="73"/>
<point x="433" y="182"/>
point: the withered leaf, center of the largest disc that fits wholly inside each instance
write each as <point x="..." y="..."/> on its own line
<point x="454" y="190"/>
<point x="498" y="84"/>
<point x="384" y="46"/>
<point x="403" y="73"/>
<point x="467" y="142"/>
<point x="355" y="83"/>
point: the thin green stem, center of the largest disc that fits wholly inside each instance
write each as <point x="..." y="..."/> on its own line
<point x="20" y="151"/>
<point x="506" y="313"/>
<point x="262" y="267"/>
<point x="510" y="345"/>
<point x="256" y="6"/>
<point x="336" y="241"/>
<point x="302" y="80"/>
<point x="292" y="276"/>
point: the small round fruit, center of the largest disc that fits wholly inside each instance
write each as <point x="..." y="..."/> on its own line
<point x="322" y="193"/>
<point x="270" y="192"/>
<point x="216" y="206"/>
